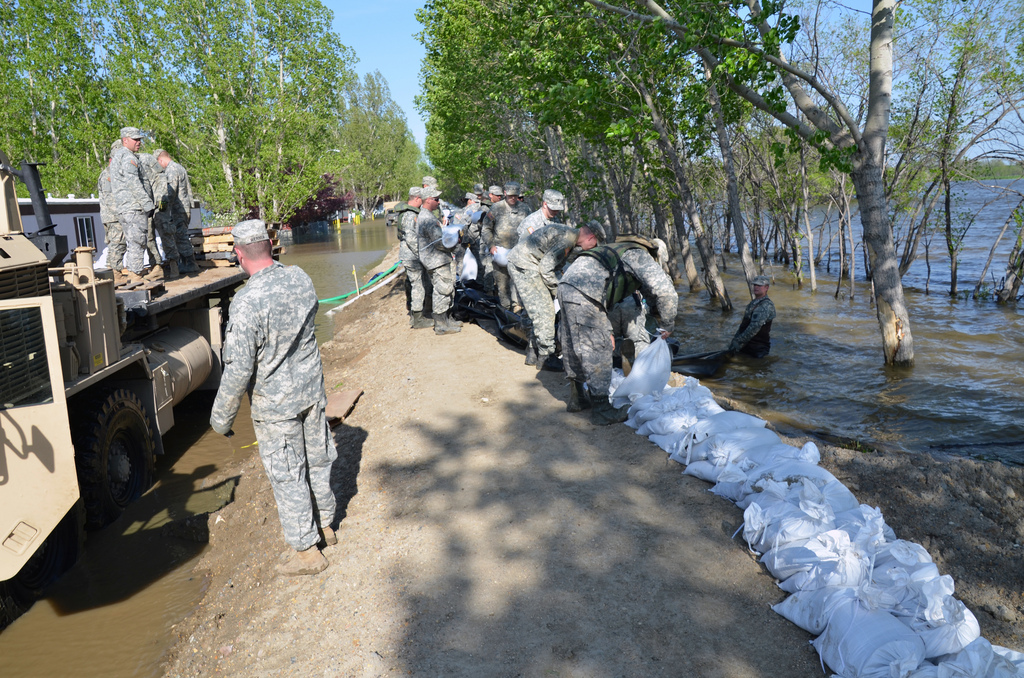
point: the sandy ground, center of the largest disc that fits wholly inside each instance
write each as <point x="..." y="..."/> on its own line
<point x="487" y="532"/>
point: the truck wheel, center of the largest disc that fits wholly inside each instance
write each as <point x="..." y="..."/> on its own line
<point x="53" y="558"/>
<point x="114" y="452"/>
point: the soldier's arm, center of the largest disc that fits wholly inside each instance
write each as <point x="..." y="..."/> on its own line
<point x="239" y="363"/>
<point x="655" y="283"/>
<point x="559" y="243"/>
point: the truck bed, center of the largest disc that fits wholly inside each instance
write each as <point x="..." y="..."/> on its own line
<point x="154" y="298"/>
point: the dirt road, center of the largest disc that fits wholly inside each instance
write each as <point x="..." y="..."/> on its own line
<point x="487" y="532"/>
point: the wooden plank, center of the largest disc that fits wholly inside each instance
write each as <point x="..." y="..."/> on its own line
<point x="340" y="404"/>
<point x="211" y="263"/>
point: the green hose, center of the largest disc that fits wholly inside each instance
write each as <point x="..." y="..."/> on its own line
<point x="374" y="281"/>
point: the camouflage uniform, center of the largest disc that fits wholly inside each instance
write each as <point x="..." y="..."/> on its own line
<point x="271" y="352"/>
<point x="753" y="337"/>
<point x="112" y="232"/>
<point x="437" y="260"/>
<point x="501" y="230"/>
<point x="532" y="265"/>
<point x="133" y="200"/>
<point x="532" y="223"/>
<point x="629" y="321"/>
<point x="408" y="249"/>
<point x="179" y="194"/>
<point x="162" y="221"/>
<point x="586" y="331"/>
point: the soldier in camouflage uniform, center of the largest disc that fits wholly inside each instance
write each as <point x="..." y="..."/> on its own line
<point x="179" y="193"/>
<point x="162" y="222"/>
<point x="753" y="338"/>
<point x="469" y="220"/>
<point x="270" y="351"/>
<point x="133" y="199"/>
<point x="501" y="230"/>
<point x="437" y="260"/>
<point x="496" y="195"/>
<point x="532" y="263"/>
<point x="112" y="232"/>
<point x="550" y="212"/>
<point x="584" y="297"/>
<point x="408" y="251"/>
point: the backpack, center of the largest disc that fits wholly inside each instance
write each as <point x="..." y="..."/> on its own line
<point x="621" y="283"/>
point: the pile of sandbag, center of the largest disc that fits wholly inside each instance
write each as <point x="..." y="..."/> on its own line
<point x="878" y="604"/>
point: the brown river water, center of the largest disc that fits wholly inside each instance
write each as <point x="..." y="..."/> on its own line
<point x="113" y="614"/>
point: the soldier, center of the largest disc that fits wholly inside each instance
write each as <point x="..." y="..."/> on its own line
<point x="436" y="259"/>
<point x="112" y="232"/>
<point x="162" y="222"/>
<point x="550" y="212"/>
<point x="133" y="200"/>
<point x="753" y="337"/>
<point x="179" y="193"/>
<point x="408" y="252"/>
<point x="598" y="280"/>
<point x="271" y="352"/>
<point x="501" y="230"/>
<point x="495" y="196"/>
<point x="532" y="264"/>
<point x="469" y="220"/>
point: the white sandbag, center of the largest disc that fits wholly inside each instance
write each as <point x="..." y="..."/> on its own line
<point x="469" y="266"/>
<point x="788" y="471"/>
<point x="980" y="659"/>
<point x="1012" y="656"/>
<point x="450" y="236"/>
<point x="957" y="629"/>
<point x="649" y="375"/>
<point x="501" y="256"/>
<point x="784" y="523"/>
<point x="676" y="421"/>
<point x="866" y="527"/>
<point x="810" y="610"/>
<point x="860" y="643"/>
<point x="719" y="423"/>
<point x="668" y="442"/>
<point x="767" y="454"/>
<point x="721" y="448"/>
<point x="705" y="470"/>
<point x="828" y="559"/>
<point x="732" y="485"/>
<point x="925" y="599"/>
<point x="925" y="670"/>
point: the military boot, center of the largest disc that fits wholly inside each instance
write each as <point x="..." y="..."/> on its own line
<point x="172" y="270"/>
<point x="133" y="277"/>
<point x="419" y="322"/>
<point x="443" y="326"/>
<point x="579" y="399"/>
<point x="309" y="561"/>
<point x="328" y="536"/>
<point x="603" y="412"/>
<point x="550" y="363"/>
<point x="156" y="273"/>
<point x="119" y="278"/>
<point x="188" y="263"/>
<point x="531" y="354"/>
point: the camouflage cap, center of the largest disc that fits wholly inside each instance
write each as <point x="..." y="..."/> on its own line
<point x="429" y="181"/>
<point x="157" y="151"/>
<point x="554" y="200"/>
<point x="512" y="188"/>
<point x="471" y="196"/>
<point x="495" y="190"/>
<point x="131" y="133"/>
<point x="478" y="189"/>
<point x="429" y="193"/>
<point x="597" y="228"/>
<point x="414" y="192"/>
<point x="248" y="232"/>
<point x="761" y="280"/>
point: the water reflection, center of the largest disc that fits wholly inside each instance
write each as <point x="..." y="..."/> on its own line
<point x="329" y="259"/>
<point x="826" y="375"/>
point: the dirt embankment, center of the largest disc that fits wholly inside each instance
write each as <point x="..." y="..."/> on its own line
<point x="486" y="532"/>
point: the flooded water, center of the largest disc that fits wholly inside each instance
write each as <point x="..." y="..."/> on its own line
<point x="329" y="260"/>
<point x="825" y="372"/>
<point x="112" y="614"/>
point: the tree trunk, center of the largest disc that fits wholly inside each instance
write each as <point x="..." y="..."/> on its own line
<point x="804" y="200"/>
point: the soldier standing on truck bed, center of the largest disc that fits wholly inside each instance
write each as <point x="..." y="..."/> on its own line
<point x="132" y="200"/>
<point x="112" y="232"/>
<point x="271" y="351"/>
<point x="161" y="221"/>
<point x="179" y="193"/>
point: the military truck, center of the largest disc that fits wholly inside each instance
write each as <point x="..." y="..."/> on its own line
<point x="89" y="377"/>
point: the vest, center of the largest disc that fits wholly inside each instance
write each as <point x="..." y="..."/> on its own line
<point x="621" y="283"/>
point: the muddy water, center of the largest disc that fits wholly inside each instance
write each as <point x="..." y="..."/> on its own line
<point x="825" y="372"/>
<point x="113" y="614"/>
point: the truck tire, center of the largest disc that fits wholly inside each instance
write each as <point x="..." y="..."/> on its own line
<point x="114" y="451"/>
<point x="53" y="558"/>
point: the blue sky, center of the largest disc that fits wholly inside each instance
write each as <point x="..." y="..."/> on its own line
<point x="381" y="33"/>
